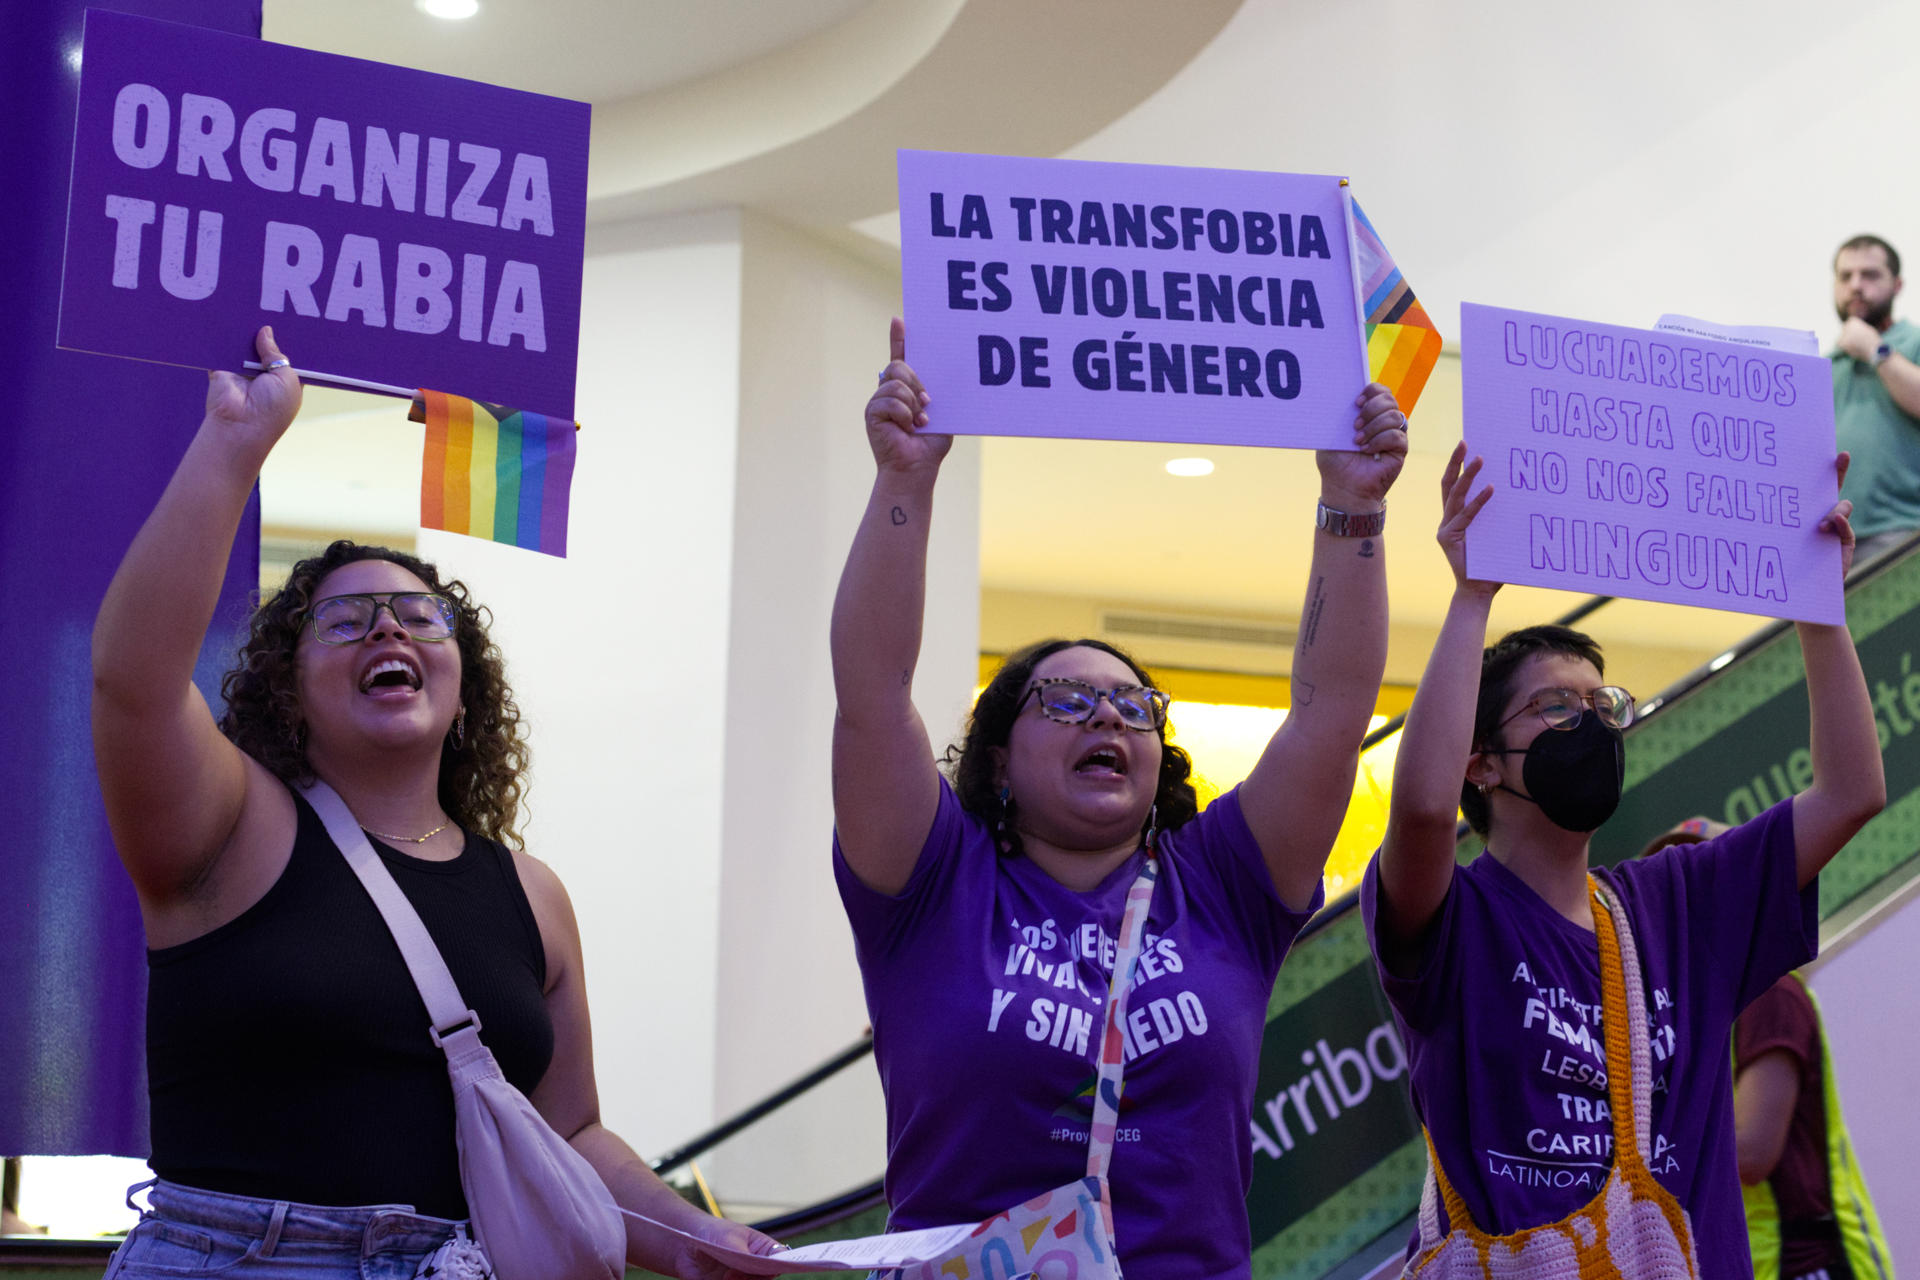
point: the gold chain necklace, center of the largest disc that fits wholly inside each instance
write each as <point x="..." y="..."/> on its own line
<point x="410" y="839"/>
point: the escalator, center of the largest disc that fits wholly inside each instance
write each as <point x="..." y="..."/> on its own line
<point x="1338" y="1154"/>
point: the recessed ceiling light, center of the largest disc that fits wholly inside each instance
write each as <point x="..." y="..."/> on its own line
<point x="1190" y="467"/>
<point x="452" y="10"/>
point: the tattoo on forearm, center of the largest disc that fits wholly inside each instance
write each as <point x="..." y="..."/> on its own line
<point x="1366" y="548"/>
<point x="1302" y="693"/>
<point x="1316" y="604"/>
<point x="899" y="516"/>
<point x="906" y="677"/>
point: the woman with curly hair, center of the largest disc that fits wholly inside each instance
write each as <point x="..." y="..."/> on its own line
<point x="986" y="909"/>
<point x="302" y="1116"/>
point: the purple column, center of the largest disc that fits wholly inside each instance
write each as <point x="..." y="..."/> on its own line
<point x="90" y="444"/>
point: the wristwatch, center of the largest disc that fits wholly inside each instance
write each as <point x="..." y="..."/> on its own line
<point x="1343" y="524"/>
<point x="1880" y="354"/>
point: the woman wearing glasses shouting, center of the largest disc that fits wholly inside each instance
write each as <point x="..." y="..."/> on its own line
<point x="987" y="904"/>
<point x="1496" y="970"/>
<point x="302" y="1118"/>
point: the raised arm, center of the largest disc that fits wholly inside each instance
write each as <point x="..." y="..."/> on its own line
<point x="1416" y="859"/>
<point x="174" y="787"/>
<point x="1849" y="781"/>
<point x="885" y="784"/>
<point x="1296" y="796"/>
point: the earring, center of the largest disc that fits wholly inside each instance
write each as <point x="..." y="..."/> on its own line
<point x="1153" y="825"/>
<point x="300" y="737"/>
<point x="458" y="735"/>
<point x="1002" y="837"/>
<point x="1485" y="787"/>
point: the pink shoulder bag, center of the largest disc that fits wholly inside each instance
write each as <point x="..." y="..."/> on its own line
<point x="539" y="1210"/>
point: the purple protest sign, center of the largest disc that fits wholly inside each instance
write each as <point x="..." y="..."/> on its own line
<point x="1131" y="302"/>
<point x="395" y="227"/>
<point x="1649" y="464"/>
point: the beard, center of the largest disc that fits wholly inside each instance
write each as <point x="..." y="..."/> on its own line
<point x="1879" y="317"/>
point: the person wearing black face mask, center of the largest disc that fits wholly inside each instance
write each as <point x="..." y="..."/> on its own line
<point x="1495" y="969"/>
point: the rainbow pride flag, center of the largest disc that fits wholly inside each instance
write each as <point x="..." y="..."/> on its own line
<point x="1403" y="343"/>
<point x="494" y="472"/>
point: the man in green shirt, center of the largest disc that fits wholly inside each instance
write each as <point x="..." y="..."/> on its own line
<point x="1876" y="395"/>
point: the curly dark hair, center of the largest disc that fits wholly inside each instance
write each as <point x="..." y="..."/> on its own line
<point x="969" y="763"/>
<point x="482" y="783"/>
<point x="1499" y="663"/>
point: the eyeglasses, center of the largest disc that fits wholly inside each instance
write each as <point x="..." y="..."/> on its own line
<point x="346" y="619"/>
<point x="1074" y="701"/>
<point x="1562" y="708"/>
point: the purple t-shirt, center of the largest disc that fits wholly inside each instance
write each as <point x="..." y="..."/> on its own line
<point x="986" y="980"/>
<point x="1505" y="1050"/>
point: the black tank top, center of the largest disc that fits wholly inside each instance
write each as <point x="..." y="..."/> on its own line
<point x="288" y="1054"/>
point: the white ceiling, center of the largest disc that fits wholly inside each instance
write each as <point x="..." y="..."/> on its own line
<point x="1611" y="162"/>
<point x="591" y="50"/>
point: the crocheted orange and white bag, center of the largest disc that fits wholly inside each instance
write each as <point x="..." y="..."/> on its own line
<point x="1633" y="1228"/>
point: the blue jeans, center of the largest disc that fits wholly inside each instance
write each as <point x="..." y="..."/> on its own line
<point x="189" y="1234"/>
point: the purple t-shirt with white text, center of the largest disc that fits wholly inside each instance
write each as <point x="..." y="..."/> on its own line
<point x="1506" y="1054"/>
<point x="987" y="979"/>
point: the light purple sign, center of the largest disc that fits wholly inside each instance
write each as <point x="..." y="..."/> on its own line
<point x="393" y="226"/>
<point x="1634" y="462"/>
<point x="1131" y="302"/>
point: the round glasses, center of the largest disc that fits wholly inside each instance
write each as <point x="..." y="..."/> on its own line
<point x="1073" y="702"/>
<point x="1562" y="708"/>
<point x="347" y="619"/>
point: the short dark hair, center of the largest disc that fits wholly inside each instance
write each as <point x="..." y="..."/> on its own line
<point x="1870" y="242"/>
<point x="969" y="763"/>
<point x="1500" y="662"/>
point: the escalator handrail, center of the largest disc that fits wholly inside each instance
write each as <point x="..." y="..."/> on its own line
<point x="772" y="1102"/>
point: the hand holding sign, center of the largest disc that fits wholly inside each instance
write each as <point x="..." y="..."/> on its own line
<point x="1356" y="482"/>
<point x="255" y="412"/>
<point x="1839" y="521"/>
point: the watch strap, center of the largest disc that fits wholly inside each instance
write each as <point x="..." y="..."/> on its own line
<point x="1345" y="524"/>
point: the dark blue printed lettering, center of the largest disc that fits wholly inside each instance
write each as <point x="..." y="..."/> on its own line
<point x="1093" y="223"/>
<point x="1303" y="307"/>
<point x="1127" y="364"/>
<point x="1050" y="288"/>
<point x="960" y="286"/>
<point x="1143" y="303"/>
<point x="1223" y="232"/>
<point x="1260" y="241"/>
<point x="1243" y="371"/>
<point x="1023" y="209"/>
<point x="973" y="218"/>
<point x="993" y="276"/>
<point x="1313" y="237"/>
<point x="1056" y="221"/>
<point x="1179" y="290"/>
<point x="996" y="361"/>
<point x="1206" y="370"/>
<point x="1167" y="367"/>
<point x="1033" y="363"/>
<point x="1164" y="237"/>
<point x="1216" y="298"/>
<point x="1090" y="367"/>
<point x="1283" y="374"/>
